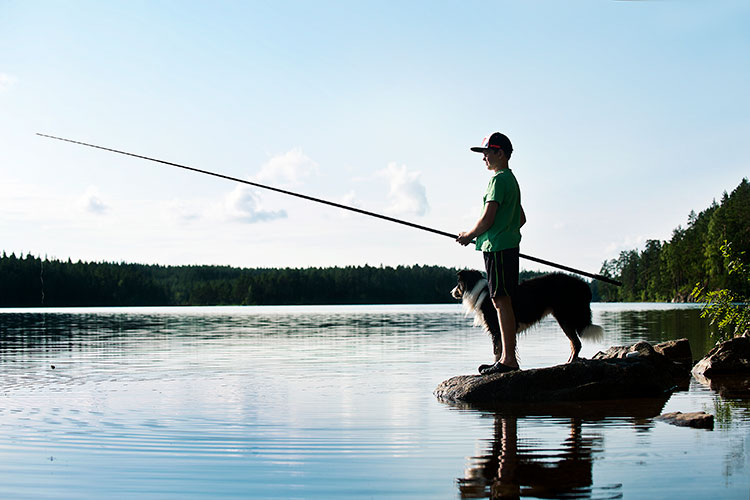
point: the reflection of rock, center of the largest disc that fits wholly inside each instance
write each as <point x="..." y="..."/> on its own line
<point x="513" y="467"/>
<point x="727" y="385"/>
<point x="639" y="410"/>
<point x="732" y="356"/>
<point x="637" y="371"/>
<point x="698" y="419"/>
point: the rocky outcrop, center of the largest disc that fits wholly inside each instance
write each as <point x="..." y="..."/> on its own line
<point x="697" y="419"/>
<point x="637" y="371"/>
<point x="678" y="351"/>
<point x="730" y="357"/>
<point x="726" y="368"/>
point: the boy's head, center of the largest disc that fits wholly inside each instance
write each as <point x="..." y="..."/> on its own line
<point x="494" y="142"/>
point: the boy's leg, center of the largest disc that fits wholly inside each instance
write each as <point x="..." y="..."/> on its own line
<point x="504" y="306"/>
<point x="502" y="276"/>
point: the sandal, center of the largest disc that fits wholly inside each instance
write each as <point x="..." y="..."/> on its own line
<point x="496" y="368"/>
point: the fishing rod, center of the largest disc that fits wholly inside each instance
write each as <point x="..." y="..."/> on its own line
<point x="599" y="277"/>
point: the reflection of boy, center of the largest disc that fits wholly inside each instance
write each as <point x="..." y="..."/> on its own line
<point x="498" y="235"/>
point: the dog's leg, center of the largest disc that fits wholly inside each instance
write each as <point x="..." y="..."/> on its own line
<point x="575" y="342"/>
<point x="497" y="349"/>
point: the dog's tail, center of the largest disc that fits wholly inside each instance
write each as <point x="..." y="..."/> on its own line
<point x="592" y="332"/>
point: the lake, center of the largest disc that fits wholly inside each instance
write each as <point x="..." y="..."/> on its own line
<point x="336" y="402"/>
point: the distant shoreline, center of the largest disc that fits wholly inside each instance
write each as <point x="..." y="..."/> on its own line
<point x="34" y="282"/>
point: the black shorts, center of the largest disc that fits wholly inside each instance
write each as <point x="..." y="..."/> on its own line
<point x="502" y="272"/>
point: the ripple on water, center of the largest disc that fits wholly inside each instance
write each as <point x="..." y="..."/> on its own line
<point x="332" y="402"/>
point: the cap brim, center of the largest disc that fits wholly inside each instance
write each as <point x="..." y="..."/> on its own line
<point x="479" y="149"/>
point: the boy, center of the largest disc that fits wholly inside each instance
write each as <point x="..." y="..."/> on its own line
<point x="498" y="235"/>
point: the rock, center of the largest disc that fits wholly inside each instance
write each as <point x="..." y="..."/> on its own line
<point x="697" y="419"/>
<point x="678" y="351"/>
<point x="614" y="352"/>
<point x="609" y="375"/>
<point x="729" y="357"/>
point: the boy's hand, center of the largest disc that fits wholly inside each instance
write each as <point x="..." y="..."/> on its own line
<point x="464" y="238"/>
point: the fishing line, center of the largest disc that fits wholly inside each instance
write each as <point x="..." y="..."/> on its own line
<point x="325" y="202"/>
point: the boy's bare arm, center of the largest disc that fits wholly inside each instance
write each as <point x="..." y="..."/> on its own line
<point x="482" y="225"/>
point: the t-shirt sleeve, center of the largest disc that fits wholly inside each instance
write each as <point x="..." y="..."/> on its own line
<point x="494" y="191"/>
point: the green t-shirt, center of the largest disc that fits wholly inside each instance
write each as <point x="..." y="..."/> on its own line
<point x="506" y="229"/>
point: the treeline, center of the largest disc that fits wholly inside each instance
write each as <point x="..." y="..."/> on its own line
<point x="30" y="281"/>
<point x="669" y="270"/>
<point x="662" y="271"/>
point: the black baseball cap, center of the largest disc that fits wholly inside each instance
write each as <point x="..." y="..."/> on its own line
<point x="495" y="141"/>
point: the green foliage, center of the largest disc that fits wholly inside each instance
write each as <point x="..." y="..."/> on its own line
<point x="668" y="270"/>
<point x="728" y="311"/>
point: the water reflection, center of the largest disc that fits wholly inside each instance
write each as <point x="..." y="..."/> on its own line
<point x="557" y="462"/>
<point x="31" y="327"/>
<point x="510" y="470"/>
<point x="331" y="402"/>
<point x="728" y="386"/>
<point x="658" y="323"/>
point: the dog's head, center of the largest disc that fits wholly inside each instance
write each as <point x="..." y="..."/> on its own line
<point x="467" y="280"/>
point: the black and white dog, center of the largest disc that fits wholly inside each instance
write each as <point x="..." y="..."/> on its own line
<point x="566" y="297"/>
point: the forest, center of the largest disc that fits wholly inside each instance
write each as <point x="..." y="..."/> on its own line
<point x="667" y="271"/>
<point x="662" y="271"/>
<point x="30" y="281"/>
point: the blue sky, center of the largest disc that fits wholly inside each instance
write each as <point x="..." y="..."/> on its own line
<point x="624" y="117"/>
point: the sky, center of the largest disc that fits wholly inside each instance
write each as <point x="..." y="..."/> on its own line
<point x="624" y="116"/>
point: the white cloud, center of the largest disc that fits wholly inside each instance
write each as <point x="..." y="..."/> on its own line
<point x="7" y="81"/>
<point x="407" y="193"/>
<point x="243" y="204"/>
<point x="289" y="168"/>
<point x="91" y="202"/>
<point x="350" y="199"/>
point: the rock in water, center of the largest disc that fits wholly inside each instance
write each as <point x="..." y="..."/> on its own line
<point x="730" y="357"/>
<point x="697" y="419"/>
<point x="610" y="375"/>
<point x="678" y="351"/>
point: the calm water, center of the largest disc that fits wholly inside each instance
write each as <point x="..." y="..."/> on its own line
<point x="335" y="402"/>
